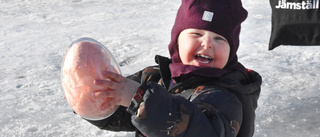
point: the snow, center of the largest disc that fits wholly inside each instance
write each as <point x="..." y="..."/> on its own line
<point x="34" y="35"/>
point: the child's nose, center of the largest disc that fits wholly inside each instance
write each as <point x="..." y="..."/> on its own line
<point x="207" y="43"/>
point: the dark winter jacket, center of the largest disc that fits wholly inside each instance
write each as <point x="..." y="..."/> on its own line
<point x="220" y="107"/>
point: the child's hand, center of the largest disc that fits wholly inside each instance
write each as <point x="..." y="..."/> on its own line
<point x="117" y="87"/>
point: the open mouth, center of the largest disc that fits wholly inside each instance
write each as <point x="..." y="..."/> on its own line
<point x="203" y="58"/>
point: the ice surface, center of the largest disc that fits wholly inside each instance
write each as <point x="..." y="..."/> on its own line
<point x="35" y="35"/>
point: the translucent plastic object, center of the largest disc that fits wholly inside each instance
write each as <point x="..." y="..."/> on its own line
<point x="84" y="62"/>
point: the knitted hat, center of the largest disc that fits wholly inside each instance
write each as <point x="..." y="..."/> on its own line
<point x="223" y="17"/>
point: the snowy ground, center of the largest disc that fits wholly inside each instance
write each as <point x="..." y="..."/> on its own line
<point x="35" y="34"/>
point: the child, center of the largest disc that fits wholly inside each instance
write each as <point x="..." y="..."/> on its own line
<point x="201" y="91"/>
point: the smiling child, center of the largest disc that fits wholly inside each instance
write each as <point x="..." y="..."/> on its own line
<point x="202" y="90"/>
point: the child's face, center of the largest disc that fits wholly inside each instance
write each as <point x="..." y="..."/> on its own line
<point x="203" y="48"/>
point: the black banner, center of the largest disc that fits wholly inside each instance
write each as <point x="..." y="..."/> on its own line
<point x="295" y="22"/>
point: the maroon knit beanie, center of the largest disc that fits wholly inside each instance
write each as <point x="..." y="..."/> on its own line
<point x="223" y="17"/>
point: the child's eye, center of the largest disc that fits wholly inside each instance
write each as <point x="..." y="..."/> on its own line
<point x="197" y="34"/>
<point x="219" y="38"/>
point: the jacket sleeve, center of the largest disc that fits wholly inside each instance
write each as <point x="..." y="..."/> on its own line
<point x="119" y="121"/>
<point x="215" y="113"/>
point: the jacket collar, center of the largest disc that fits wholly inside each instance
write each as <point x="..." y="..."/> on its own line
<point x="234" y="81"/>
<point x="165" y="72"/>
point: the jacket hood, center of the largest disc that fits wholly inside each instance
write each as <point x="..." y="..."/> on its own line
<point x="239" y="83"/>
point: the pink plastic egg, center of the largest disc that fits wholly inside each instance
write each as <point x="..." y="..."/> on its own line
<point x="83" y="63"/>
